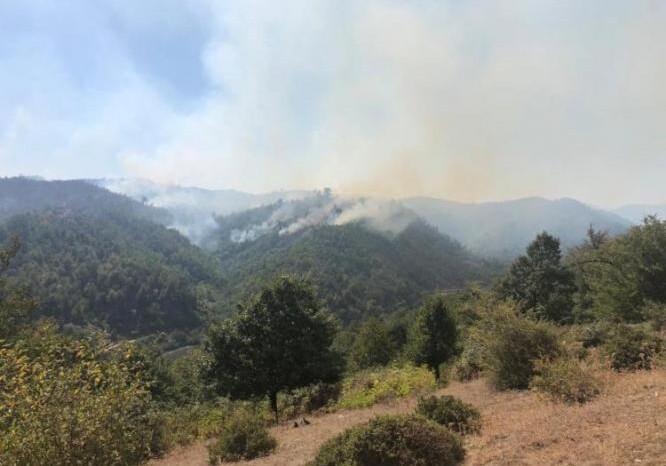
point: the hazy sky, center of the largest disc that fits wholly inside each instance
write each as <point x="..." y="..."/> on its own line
<point x="467" y="100"/>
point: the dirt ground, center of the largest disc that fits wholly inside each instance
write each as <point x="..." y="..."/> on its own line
<point x="624" y="426"/>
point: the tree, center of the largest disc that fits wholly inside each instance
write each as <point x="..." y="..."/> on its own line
<point x="15" y="304"/>
<point x="280" y="340"/>
<point x="373" y="345"/>
<point x="433" y="335"/>
<point x="538" y="281"/>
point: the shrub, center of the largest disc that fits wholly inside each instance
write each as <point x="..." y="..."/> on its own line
<point x="393" y="441"/>
<point x="566" y="379"/>
<point x="632" y="348"/>
<point x="243" y="437"/>
<point x="512" y="345"/>
<point x="366" y="388"/>
<point x="308" y="399"/>
<point x="470" y="363"/>
<point x="450" y="412"/>
<point x="372" y="346"/>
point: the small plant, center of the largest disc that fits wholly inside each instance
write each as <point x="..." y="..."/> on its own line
<point x="308" y="399"/>
<point x="632" y="348"/>
<point x="243" y="437"/>
<point x="566" y="379"/>
<point x="393" y="441"/>
<point x="367" y="388"/>
<point x="450" y="412"/>
<point x="469" y="365"/>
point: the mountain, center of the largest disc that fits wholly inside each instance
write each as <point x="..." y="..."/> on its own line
<point x="21" y="194"/>
<point x="637" y="212"/>
<point x="193" y="209"/>
<point x="361" y="265"/>
<point x="503" y="229"/>
<point x="93" y="257"/>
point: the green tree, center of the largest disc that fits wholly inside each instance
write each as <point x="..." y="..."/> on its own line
<point x="540" y="282"/>
<point x="280" y="340"/>
<point x="433" y="335"/>
<point x="373" y="345"/>
<point x="15" y="304"/>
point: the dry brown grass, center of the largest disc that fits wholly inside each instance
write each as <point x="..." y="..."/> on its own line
<point x="624" y="426"/>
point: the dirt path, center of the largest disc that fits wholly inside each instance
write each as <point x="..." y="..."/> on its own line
<point x="625" y="426"/>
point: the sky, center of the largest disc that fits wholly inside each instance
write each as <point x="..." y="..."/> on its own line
<point x="464" y="100"/>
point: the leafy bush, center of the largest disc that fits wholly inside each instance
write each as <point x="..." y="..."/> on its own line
<point x="366" y="388"/>
<point x="632" y="348"/>
<point x="393" y="441"/>
<point x="308" y="399"/>
<point x="73" y="402"/>
<point x="450" y="412"/>
<point x="566" y="379"/>
<point x="512" y="343"/>
<point x="470" y="363"/>
<point x="373" y="345"/>
<point x="243" y="437"/>
<point x="187" y="423"/>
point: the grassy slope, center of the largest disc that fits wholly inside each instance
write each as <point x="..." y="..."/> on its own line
<point x="625" y="426"/>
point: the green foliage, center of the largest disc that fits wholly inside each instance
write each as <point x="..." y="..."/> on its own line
<point x="358" y="270"/>
<point x="243" y="437"/>
<point x="433" y="335"/>
<point x="107" y="268"/>
<point x="566" y="379"/>
<point x="623" y="275"/>
<point x="373" y="345"/>
<point x="632" y="348"/>
<point x="511" y="343"/>
<point x="450" y="412"/>
<point x="65" y="401"/>
<point x="15" y="305"/>
<point x="539" y="282"/>
<point x="470" y="363"/>
<point x="279" y="341"/>
<point x="366" y="388"/>
<point x="308" y="399"/>
<point x="393" y="441"/>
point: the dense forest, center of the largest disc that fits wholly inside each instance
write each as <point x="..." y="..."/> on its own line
<point x="358" y="269"/>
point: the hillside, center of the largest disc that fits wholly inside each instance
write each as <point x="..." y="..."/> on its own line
<point x="624" y="427"/>
<point x="93" y="257"/>
<point x="503" y="229"/>
<point x="358" y="268"/>
<point x="20" y="195"/>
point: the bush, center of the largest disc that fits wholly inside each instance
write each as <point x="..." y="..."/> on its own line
<point x="366" y="388"/>
<point x="308" y="399"/>
<point x="566" y="379"/>
<point x="450" y="412"/>
<point x="393" y="441"/>
<point x="632" y="348"/>
<point x="243" y="437"/>
<point x="512" y="345"/>
<point x="470" y="363"/>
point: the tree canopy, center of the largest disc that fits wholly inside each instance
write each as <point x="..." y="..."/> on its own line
<point x="280" y="340"/>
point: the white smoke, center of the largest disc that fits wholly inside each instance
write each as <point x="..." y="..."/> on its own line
<point x="326" y="209"/>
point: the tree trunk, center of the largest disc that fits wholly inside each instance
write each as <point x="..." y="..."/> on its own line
<point x="435" y="369"/>
<point x="274" y="406"/>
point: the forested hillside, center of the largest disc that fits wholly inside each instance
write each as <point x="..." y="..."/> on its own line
<point x="504" y="229"/>
<point x="359" y="269"/>
<point x="93" y="257"/>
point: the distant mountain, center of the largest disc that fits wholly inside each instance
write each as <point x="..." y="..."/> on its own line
<point x="361" y="264"/>
<point x="90" y="256"/>
<point x="20" y="195"/>
<point x="637" y="212"/>
<point x="193" y="209"/>
<point x="503" y="229"/>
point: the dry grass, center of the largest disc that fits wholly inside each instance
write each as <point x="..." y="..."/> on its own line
<point x="624" y="426"/>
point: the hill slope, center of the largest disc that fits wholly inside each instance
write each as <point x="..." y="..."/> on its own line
<point x="503" y="229"/>
<point x="358" y="268"/>
<point x="93" y="257"/>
